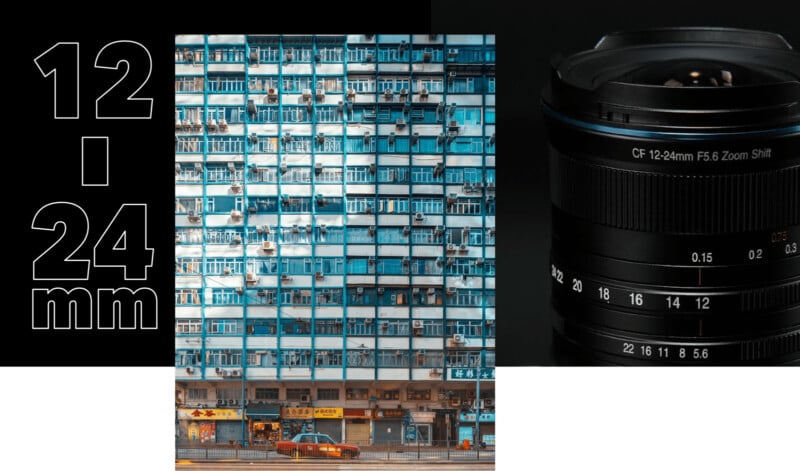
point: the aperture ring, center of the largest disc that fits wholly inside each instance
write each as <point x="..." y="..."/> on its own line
<point x="658" y="202"/>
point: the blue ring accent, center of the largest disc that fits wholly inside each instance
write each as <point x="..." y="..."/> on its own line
<point x="674" y="136"/>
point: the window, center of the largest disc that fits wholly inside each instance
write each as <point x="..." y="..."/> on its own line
<point x="226" y="54"/>
<point x="393" y="53"/>
<point x="430" y="328"/>
<point x="360" y="54"/>
<point x="427" y="358"/>
<point x="297" y="297"/>
<point x="297" y="204"/>
<point x="331" y="54"/>
<point x="360" y="144"/>
<point x="328" y="358"/>
<point x="468" y="328"/>
<point x="329" y="235"/>
<point x="188" y="326"/>
<point x="392" y="266"/>
<point x="296" y="175"/>
<point x="187" y="296"/>
<point x="258" y="83"/>
<point x="393" y="174"/>
<point x="267" y="393"/>
<point x="360" y="204"/>
<point x="357" y="393"/>
<point x="261" y="326"/>
<point x="360" y="266"/>
<point x="463" y="358"/>
<point x="188" y="266"/>
<point x="329" y="265"/>
<point x="418" y="394"/>
<point x="187" y="358"/>
<point x="197" y="394"/>
<point x="361" y="84"/>
<point x="266" y="358"/>
<point x="356" y="327"/>
<point x="295" y="114"/>
<point x="225" y="296"/>
<point x="189" y="84"/>
<point x="427" y="205"/>
<point x="188" y="173"/>
<point x="329" y="114"/>
<point x="427" y="54"/>
<point x="225" y="145"/>
<point x="296" y="83"/>
<point x="466" y="145"/>
<point x="224" y="235"/>
<point x="392" y="235"/>
<point x="426" y="296"/>
<point x="296" y="394"/>
<point x="393" y="205"/>
<point x="466" y="297"/>
<point x="224" y="357"/>
<point x="295" y="358"/>
<point x="393" y="83"/>
<point x="223" y="326"/>
<point x="360" y="358"/>
<point x="225" y="84"/>
<point x="425" y="175"/>
<point x="229" y="394"/>
<point x="465" y="206"/>
<point x="328" y="326"/>
<point x="327" y="394"/>
<point x="388" y="394"/>
<point x="393" y="358"/>
<point x="224" y="266"/>
<point x="426" y="236"/>
<point x="359" y="175"/>
<point x="393" y="327"/>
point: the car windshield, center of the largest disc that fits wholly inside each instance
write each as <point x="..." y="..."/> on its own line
<point x="326" y="439"/>
<point x="303" y="439"/>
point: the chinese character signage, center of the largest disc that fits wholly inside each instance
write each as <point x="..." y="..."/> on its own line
<point x="328" y="412"/>
<point x="209" y="414"/>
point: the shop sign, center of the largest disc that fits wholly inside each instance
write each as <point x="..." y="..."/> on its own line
<point x="470" y="417"/>
<point x="297" y="412"/>
<point x="422" y="417"/>
<point x="389" y="413"/>
<point x="357" y="413"/>
<point x="209" y="414"/>
<point x="328" y="412"/>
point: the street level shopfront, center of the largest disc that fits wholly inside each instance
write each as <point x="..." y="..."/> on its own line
<point x="209" y="426"/>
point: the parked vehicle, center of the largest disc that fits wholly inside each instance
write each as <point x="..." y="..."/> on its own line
<point x="316" y="445"/>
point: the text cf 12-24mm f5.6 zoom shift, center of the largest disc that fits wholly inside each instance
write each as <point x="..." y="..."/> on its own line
<point x="675" y="179"/>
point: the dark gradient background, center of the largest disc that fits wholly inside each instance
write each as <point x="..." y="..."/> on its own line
<point x="528" y="35"/>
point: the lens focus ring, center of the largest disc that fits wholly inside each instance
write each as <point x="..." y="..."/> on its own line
<point x="648" y="201"/>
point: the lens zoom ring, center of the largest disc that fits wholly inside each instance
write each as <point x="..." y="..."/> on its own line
<point x="657" y="202"/>
<point x="771" y="297"/>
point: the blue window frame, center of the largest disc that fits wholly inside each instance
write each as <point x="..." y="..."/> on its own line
<point x="392" y="235"/>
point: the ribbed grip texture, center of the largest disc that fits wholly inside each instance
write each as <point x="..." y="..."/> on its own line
<point x="771" y="297"/>
<point x="771" y="347"/>
<point x="658" y="202"/>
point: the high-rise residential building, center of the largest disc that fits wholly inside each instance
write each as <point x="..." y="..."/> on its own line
<point x="335" y="237"/>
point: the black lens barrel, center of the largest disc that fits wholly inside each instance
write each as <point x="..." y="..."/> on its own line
<point x="675" y="182"/>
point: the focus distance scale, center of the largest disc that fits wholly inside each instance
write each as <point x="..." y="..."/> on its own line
<point x="675" y="180"/>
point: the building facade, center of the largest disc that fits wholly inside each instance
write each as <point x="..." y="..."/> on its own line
<point x="335" y="236"/>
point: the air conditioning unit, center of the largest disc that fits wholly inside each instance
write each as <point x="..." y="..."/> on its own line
<point x="400" y="123"/>
<point x="451" y="291"/>
<point x="451" y="248"/>
<point x="236" y="215"/>
<point x="236" y="187"/>
<point x="236" y="372"/>
<point x="368" y="321"/>
<point x="416" y="324"/>
<point x="455" y="401"/>
<point x="419" y="217"/>
<point x="462" y="248"/>
<point x="251" y="277"/>
<point x="427" y="56"/>
<point x="305" y="398"/>
<point x="453" y="124"/>
<point x="458" y="338"/>
<point x="286" y="277"/>
<point x="319" y="275"/>
<point x="431" y="291"/>
<point x="371" y="260"/>
<point x="351" y="93"/>
<point x="320" y="92"/>
<point x="268" y="246"/>
<point x="489" y="321"/>
<point x="360" y="290"/>
<point x="388" y="93"/>
<point x="190" y="370"/>
<point x="452" y="52"/>
<point x="289" y="55"/>
<point x="487" y="403"/>
<point x="223" y="373"/>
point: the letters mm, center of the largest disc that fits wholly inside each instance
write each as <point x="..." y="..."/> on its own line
<point x="63" y="306"/>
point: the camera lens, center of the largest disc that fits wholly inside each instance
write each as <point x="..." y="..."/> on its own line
<point x="675" y="184"/>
